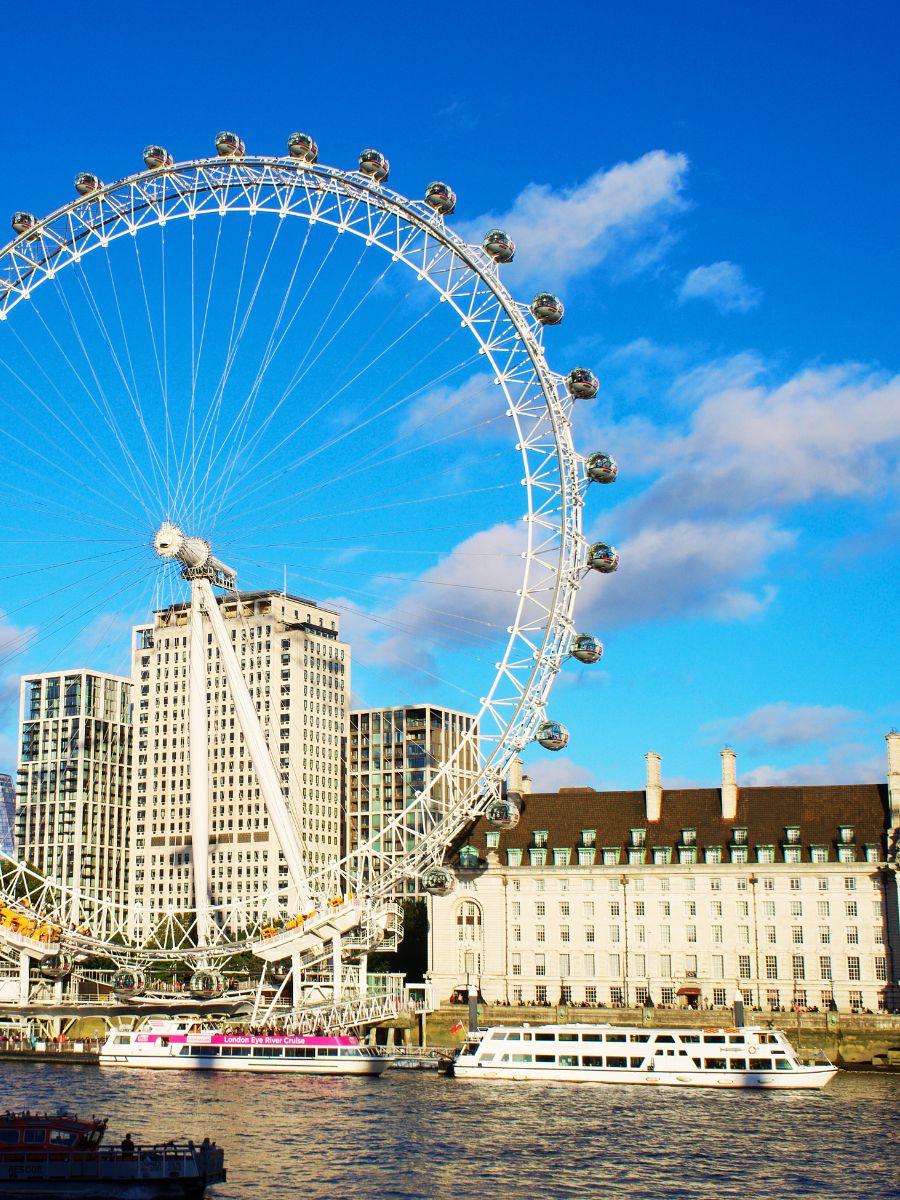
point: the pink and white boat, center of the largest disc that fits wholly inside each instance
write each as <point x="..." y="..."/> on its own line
<point x="182" y="1045"/>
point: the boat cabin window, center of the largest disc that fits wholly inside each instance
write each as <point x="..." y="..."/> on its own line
<point x="568" y="1060"/>
<point x="760" y="1064"/>
<point x="269" y="1052"/>
<point x="545" y="1037"/>
<point x="715" y="1038"/>
<point x="690" y="1037"/>
<point x="204" y="1051"/>
<point x="9" y="1136"/>
<point x="521" y="1058"/>
<point x="592" y="1037"/>
<point x="616" y="1060"/>
<point x="308" y="1052"/>
<point x="637" y="1062"/>
<point x="782" y="1064"/>
<point x="34" y="1137"/>
<point x="592" y="1060"/>
<point x="739" y="1040"/>
<point x="548" y="1058"/>
<point x="738" y="1064"/>
<point x="640" y="1037"/>
<point x="123" y="1040"/>
<point x="768" y="1039"/>
<point x="513" y="1037"/>
<point x="620" y="1037"/>
<point x="714" y="1064"/>
<point x="63" y="1137"/>
<point x="665" y="1037"/>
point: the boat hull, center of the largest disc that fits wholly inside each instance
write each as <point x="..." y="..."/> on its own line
<point x="268" y="1066"/>
<point x="100" y="1189"/>
<point x="810" y="1077"/>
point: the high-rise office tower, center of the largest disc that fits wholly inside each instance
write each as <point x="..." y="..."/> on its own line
<point x="74" y="773"/>
<point x="392" y="754"/>
<point x="298" y="672"/>
<point x="7" y="812"/>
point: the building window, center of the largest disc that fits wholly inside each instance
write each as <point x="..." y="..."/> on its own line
<point x="798" y="966"/>
<point x="825" y="967"/>
<point x="492" y="839"/>
<point x="662" y="855"/>
<point x="713" y="854"/>
<point x="846" y="854"/>
<point x="849" y="883"/>
<point x="852" y="935"/>
<point x="744" y="966"/>
<point x="538" y="858"/>
<point x="610" y="856"/>
<point x="517" y="964"/>
<point x="665" y="966"/>
<point x="872" y="855"/>
<point x="540" y="837"/>
<point x="514" y="858"/>
<point x="851" y="908"/>
<point x="691" y="932"/>
<point x="687" y="854"/>
<point x="639" y="837"/>
<point x="667" y="995"/>
<point x="540" y="965"/>
<point x="792" y="854"/>
<point x="819" y="854"/>
<point x="590" y="995"/>
<point x="561" y="858"/>
<point x="718" y="966"/>
<point x="739" y="854"/>
<point x="588" y="837"/>
<point x="846" y="834"/>
<point x="635" y="858"/>
<point x="797" y="935"/>
<point x="853" y="971"/>
<point x="765" y="854"/>
<point x="771" y="966"/>
<point x="588" y="933"/>
<point x="540" y="993"/>
<point x="856" y="1001"/>
<point x="792" y="833"/>
<point x="881" y="969"/>
<point x="772" y="999"/>
<point x="689" y="837"/>
<point x="585" y="857"/>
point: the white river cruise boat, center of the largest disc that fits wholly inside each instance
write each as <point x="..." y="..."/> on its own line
<point x="734" y="1058"/>
<point x="182" y="1045"/>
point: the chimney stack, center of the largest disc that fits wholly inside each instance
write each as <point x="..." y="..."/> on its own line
<point x="729" y="784"/>
<point x="893" y="776"/>
<point x="653" y="793"/>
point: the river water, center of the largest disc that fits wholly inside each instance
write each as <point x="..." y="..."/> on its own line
<point x="414" y="1135"/>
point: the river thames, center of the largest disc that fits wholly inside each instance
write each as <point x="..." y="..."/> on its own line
<point x="413" y="1135"/>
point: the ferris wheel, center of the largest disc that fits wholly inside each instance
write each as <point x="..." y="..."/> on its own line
<point x="231" y="367"/>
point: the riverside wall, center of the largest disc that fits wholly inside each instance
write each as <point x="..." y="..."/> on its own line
<point x="849" y="1039"/>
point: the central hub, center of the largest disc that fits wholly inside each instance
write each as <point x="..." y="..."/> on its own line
<point x="195" y="555"/>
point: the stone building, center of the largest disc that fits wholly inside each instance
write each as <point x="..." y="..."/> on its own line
<point x="680" y="896"/>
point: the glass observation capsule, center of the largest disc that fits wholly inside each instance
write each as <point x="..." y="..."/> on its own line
<point x="375" y="165"/>
<point x="586" y="648"/>
<point x="601" y="468"/>
<point x="302" y="146"/>
<point x="603" y="558"/>
<point x="502" y="815"/>
<point x="582" y="383"/>
<point x="499" y="246"/>
<point x="438" y="881"/>
<point x="552" y="736"/>
<point x="229" y="144"/>
<point x="469" y="858"/>
<point x="157" y="156"/>
<point x="206" y="984"/>
<point x="22" y="222"/>
<point x="547" y="308"/>
<point x="56" y="968"/>
<point x="129" y="982"/>
<point x="86" y="182"/>
<point x="441" y="198"/>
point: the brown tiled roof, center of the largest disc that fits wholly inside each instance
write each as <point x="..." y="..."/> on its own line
<point x="765" y="812"/>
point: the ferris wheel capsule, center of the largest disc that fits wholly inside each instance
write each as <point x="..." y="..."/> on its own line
<point x="156" y="156"/>
<point x="302" y="146"/>
<point x="603" y="558"/>
<point x="23" y="222"/>
<point x="502" y="814"/>
<point x="582" y="383"/>
<point x="86" y="183"/>
<point x="547" y="308"/>
<point x="206" y="984"/>
<point x="229" y="145"/>
<point x="56" y="968"/>
<point x="438" y="881"/>
<point x="375" y="165"/>
<point x="586" y="648"/>
<point x="601" y="468"/>
<point x="441" y="197"/>
<point x="499" y="246"/>
<point x="128" y="982"/>
<point x="552" y="736"/>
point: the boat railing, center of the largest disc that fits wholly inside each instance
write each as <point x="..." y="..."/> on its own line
<point x="164" y="1160"/>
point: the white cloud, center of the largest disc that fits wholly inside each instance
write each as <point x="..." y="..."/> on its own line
<point x="783" y="724"/>
<point x="566" y="232"/>
<point x="690" y="568"/>
<point x="756" y="446"/>
<point x="723" y="284"/>
<point x="554" y="771"/>
<point x="844" y="765"/>
<point x="13" y="638"/>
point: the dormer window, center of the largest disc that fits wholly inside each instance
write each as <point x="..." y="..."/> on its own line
<point x="846" y="835"/>
<point x="739" y="836"/>
<point x="689" y="837"/>
<point x="639" y="837"/>
<point x="792" y="834"/>
<point x="492" y="839"/>
<point x="588" y="837"/>
<point x="662" y="855"/>
<point x="540" y="837"/>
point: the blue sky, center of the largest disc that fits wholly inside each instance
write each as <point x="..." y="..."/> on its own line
<point x="714" y="194"/>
